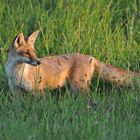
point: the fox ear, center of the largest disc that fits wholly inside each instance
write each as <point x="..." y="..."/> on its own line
<point x="20" y="40"/>
<point x="33" y="36"/>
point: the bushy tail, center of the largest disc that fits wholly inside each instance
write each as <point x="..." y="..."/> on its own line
<point x="116" y="75"/>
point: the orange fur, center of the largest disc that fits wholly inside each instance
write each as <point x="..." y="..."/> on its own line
<point x="26" y="72"/>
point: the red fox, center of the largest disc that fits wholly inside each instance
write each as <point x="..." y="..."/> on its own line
<point x="27" y="72"/>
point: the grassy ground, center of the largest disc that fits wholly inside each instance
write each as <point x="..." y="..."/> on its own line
<point x="106" y="29"/>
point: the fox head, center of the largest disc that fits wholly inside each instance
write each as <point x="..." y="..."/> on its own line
<point x="23" y="49"/>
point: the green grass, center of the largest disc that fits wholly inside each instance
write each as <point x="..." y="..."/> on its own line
<point x="106" y="29"/>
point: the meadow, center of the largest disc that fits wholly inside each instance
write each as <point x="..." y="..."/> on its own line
<point x="106" y="29"/>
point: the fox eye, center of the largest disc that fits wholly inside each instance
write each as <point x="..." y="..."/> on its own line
<point x="27" y="52"/>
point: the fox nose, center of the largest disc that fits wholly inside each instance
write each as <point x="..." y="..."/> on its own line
<point x="34" y="62"/>
<point x="38" y="62"/>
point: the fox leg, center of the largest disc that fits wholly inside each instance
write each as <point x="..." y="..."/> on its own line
<point x="13" y="91"/>
<point x="16" y="92"/>
<point x="79" y="85"/>
<point x="41" y="86"/>
<point x="13" y="88"/>
<point x="41" y="91"/>
<point x="80" y="80"/>
<point x="36" y="90"/>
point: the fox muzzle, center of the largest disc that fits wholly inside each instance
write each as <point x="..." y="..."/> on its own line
<point x="34" y="62"/>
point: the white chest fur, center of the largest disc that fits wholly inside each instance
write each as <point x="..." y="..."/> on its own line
<point x="18" y="75"/>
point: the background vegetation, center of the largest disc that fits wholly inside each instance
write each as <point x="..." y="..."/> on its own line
<point x="106" y="29"/>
